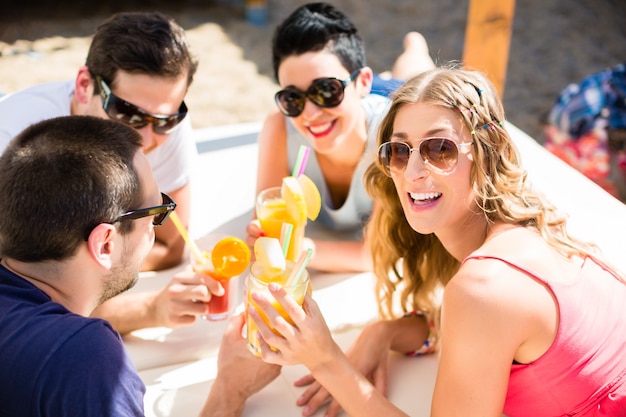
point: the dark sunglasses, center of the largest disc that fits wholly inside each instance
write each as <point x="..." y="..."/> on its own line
<point x="323" y="92"/>
<point x="441" y="155"/>
<point x="131" y="115"/>
<point x="160" y="213"/>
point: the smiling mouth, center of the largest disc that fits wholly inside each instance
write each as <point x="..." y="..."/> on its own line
<point x="321" y="129"/>
<point x="424" y="198"/>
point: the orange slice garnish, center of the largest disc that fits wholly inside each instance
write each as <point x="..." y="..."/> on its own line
<point x="230" y="256"/>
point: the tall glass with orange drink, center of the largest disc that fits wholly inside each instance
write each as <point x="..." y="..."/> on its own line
<point x="271" y="210"/>
<point x="295" y="201"/>
<point x="257" y="281"/>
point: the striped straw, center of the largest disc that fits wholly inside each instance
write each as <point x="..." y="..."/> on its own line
<point x="303" y="156"/>
<point x="285" y="236"/>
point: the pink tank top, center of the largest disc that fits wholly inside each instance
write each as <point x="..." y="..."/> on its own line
<point x="584" y="371"/>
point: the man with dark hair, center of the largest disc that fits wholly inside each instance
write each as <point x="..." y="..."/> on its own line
<point x="70" y="240"/>
<point x="137" y="72"/>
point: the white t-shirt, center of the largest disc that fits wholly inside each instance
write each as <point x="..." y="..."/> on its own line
<point x="171" y="162"/>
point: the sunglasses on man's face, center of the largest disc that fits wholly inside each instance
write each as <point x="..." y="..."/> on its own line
<point x="160" y="213"/>
<point x="323" y="92"/>
<point x="441" y="155"/>
<point x="131" y="115"/>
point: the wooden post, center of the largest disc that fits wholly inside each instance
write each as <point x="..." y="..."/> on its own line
<point x="488" y="38"/>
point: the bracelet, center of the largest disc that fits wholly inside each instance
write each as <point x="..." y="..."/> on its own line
<point x="429" y="344"/>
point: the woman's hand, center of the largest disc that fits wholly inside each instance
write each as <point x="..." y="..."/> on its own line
<point x="308" y="341"/>
<point x="253" y="232"/>
<point x="369" y="355"/>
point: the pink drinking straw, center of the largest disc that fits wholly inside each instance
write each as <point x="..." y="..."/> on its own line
<point x="303" y="155"/>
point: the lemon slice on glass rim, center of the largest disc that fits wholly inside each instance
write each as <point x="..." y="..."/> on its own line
<point x="311" y="196"/>
<point x="302" y="198"/>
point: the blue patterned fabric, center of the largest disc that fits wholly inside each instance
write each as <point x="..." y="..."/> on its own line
<point x="598" y="97"/>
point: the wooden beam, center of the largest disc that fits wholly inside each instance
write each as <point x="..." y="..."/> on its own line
<point x="488" y="38"/>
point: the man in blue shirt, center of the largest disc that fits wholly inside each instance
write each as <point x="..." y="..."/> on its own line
<point x="79" y="206"/>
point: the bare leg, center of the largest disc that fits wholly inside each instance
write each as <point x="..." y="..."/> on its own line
<point x="415" y="58"/>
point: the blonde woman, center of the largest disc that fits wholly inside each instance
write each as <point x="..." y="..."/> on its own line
<point x="532" y="322"/>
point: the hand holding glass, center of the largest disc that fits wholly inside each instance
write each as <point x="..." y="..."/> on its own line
<point x="257" y="281"/>
<point x="227" y="259"/>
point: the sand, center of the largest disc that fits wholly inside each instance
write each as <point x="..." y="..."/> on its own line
<point x="554" y="43"/>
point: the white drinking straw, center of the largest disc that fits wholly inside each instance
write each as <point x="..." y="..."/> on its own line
<point x="298" y="268"/>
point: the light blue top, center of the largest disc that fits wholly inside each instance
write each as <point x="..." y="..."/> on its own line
<point x="355" y="211"/>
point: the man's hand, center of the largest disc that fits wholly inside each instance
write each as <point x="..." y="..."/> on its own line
<point x="239" y="374"/>
<point x="179" y="303"/>
<point x="184" y="298"/>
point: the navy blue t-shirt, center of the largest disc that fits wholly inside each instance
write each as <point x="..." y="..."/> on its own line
<point x="57" y="363"/>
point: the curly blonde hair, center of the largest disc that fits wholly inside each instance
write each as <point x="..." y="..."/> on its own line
<point x="417" y="265"/>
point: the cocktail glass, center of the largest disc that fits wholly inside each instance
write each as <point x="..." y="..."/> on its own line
<point x="271" y="210"/>
<point x="257" y="281"/>
<point x="237" y="258"/>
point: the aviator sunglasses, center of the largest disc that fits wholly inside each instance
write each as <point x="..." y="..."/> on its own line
<point x="131" y="115"/>
<point x="441" y="155"/>
<point x="323" y="92"/>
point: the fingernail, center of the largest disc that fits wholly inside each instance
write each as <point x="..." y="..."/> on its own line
<point x="306" y="410"/>
<point x="262" y="234"/>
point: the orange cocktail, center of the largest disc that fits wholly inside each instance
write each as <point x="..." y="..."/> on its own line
<point x="228" y="258"/>
<point x="219" y="307"/>
<point x="271" y="210"/>
<point x="257" y="281"/>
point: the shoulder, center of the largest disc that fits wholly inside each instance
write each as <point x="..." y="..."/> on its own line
<point x="31" y="105"/>
<point x="85" y="340"/>
<point x="375" y="108"/>
<point x="54" y="97"/>
<point x="73" y="365"/>
<point x="493" y="291"/>
<point x="375" y="104"/>
<point x="504" y="265"/>
<point x="274" y="130"/>
<point x="92" y="361"/>
<point x="480" y="280"/>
